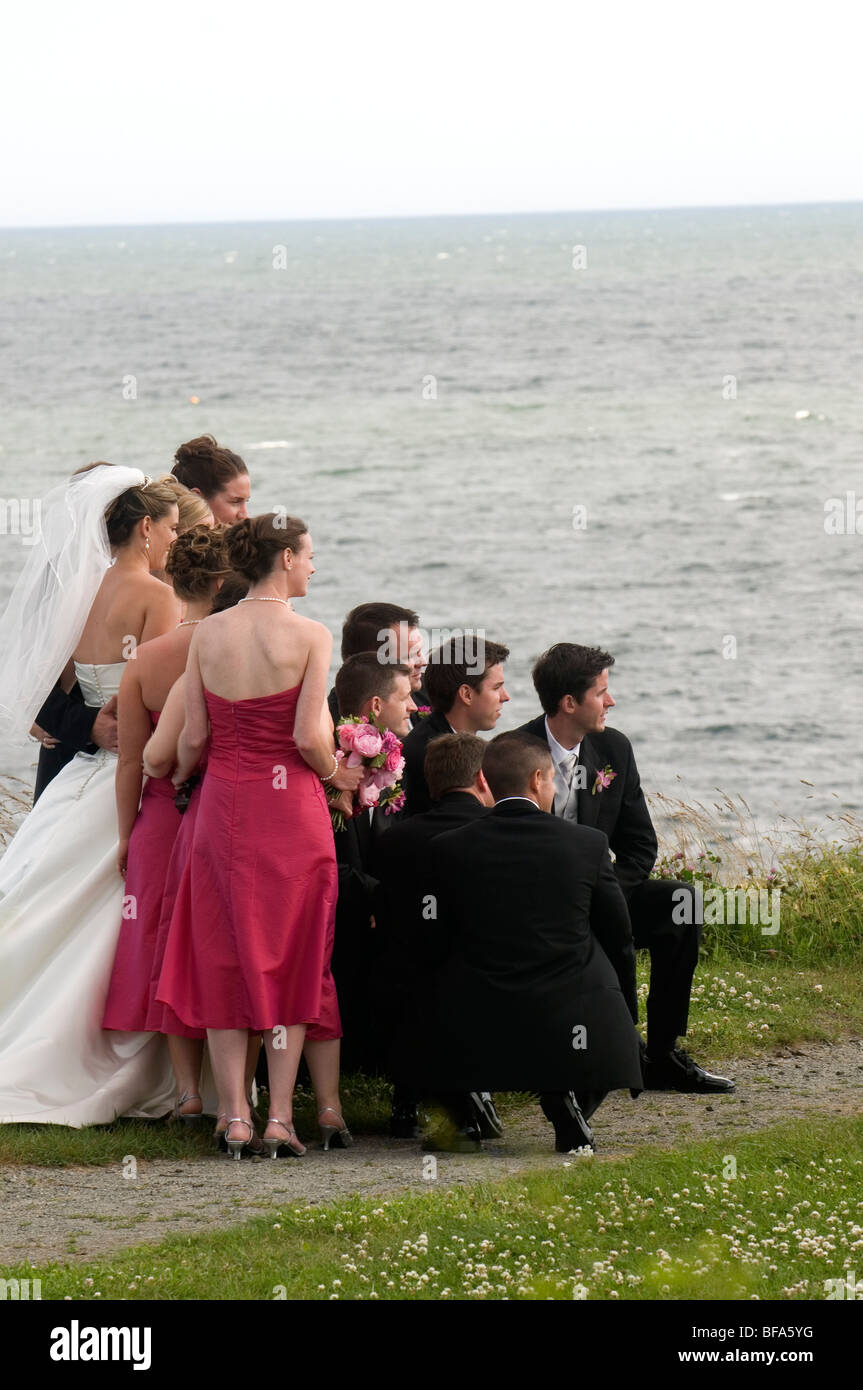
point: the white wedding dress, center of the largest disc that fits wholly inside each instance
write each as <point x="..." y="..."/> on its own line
<point x="61" y="905"/>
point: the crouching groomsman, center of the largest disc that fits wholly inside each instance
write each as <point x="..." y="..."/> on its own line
<point x="597" y="784"/>
<point x="460" y="795"/>
<point x="536" y="985"/>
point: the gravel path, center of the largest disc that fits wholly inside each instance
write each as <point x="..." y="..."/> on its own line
<point x="76" y="1213"/>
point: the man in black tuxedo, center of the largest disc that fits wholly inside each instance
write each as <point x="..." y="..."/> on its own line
<point x="364" y="686"/>
<point x="536" y="990"/>
<point x="460" y="794"/>
<point x="72" y="727"/>
<point x="597" y="784"/>
<point x="394" y="632"/>
<point x="465" y="696"/>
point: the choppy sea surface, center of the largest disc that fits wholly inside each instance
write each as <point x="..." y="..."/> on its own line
<point x="613" y="428"/>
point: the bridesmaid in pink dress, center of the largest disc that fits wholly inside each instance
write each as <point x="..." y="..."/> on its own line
<point x="195" y="566"/>
<point x="160" y="758"/>
<point x="247" y="949"/>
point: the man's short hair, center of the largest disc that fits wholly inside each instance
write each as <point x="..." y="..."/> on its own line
<point x="363" y="624"/>
<point x="361" y="678"/>
<point x="452" y="760"/>
<point x="448" y="670"/>
<point x="567" y="669"/>
<point x="511" y="760"/>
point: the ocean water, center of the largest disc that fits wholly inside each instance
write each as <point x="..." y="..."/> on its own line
<point x="612" y="428"/>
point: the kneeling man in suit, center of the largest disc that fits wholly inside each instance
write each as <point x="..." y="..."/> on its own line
<point x="536" y="985"/>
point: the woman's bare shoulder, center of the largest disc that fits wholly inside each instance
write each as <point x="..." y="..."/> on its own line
<point x="313" y="630"/>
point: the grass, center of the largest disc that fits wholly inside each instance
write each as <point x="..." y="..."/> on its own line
<point x="774" y="1219"/>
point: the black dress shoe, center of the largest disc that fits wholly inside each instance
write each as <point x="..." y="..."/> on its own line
<point x="487" y="1118"/>
<point x="404" y="1122"/>
<point x="676" y="1071"/>
<point x="571" y="1130"/>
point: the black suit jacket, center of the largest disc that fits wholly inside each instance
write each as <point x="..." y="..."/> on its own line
<point x="417" y="797"/>
<point x="71" y="721"/>
<point x="620" y="810"/>
<point x="401" y="866"/>
<point x="534" y="937"/>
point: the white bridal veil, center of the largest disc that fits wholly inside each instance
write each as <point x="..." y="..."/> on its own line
<point x="54" y="592"/>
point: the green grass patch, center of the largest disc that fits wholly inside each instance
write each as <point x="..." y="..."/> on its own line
<point x="775" y="1217"/>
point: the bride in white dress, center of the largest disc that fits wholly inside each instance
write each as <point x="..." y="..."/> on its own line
<point x="85" y="593"/>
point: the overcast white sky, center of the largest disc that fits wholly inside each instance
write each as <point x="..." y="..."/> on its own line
<point x="191" y="111"/>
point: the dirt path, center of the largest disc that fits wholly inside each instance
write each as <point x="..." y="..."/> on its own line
<point x="75" y="1213"/>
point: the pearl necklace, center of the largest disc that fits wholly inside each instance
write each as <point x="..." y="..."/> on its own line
<point x="265" y="598"/>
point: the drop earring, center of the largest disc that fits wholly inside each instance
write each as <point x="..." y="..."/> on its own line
<point x="147" y="545"/>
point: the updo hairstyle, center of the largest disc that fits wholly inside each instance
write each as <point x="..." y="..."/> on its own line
<point x="253" y="544"/>
<point x="203" y="464"/>
<point x="195" y="559"/>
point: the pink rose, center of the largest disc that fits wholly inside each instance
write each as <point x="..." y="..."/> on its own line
<point x="347" y="734"/>
<point x="395" y="762"/>
<point x="367" y="741"/>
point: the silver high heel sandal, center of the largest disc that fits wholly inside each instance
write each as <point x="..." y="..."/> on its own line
<point x="334" y="1136"/>
<point x="190" y="1121"/>
<point x="236" y="1147"/>
<point x="274" y="1145"/>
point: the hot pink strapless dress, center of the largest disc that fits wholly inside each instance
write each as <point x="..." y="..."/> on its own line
<point x="161" y="1019"/>
<point x="252" y="927"/>
<point x="150" y="846"/>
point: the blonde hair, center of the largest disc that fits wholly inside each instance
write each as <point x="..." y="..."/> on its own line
<point x="194" y="509"/>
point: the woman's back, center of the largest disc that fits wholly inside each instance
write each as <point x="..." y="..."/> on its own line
<point x="130" y="607"/>
<point x="258" y="648"/>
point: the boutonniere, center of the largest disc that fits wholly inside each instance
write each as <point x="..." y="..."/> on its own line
<point x="603" y="779"/>
<point x="423" y="711"/>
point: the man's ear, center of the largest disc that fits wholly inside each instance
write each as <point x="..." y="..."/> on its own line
<point x="373" y="707"/>
<point x="465" y="693"/>
<point x="568" y="705"/>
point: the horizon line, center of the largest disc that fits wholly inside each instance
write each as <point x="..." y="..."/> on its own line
<point x="424" y="216"/>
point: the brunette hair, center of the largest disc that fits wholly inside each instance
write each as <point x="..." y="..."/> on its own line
<point x="448" y="671"/>
<point x="363" y="623"/>
<point x="451" y="761"/>
<point x="362" y="677"/>
<point x="510" y="761"/>
<point x="154" y="500"/>
<point x="203" y="464"/>
<point x="197" y="558"/>
<point x="234" y="588"/>
<point x="567" y="669"/>
<point x="253" y="544"/>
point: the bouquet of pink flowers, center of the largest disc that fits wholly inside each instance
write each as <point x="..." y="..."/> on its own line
<point x="379" y="752"/>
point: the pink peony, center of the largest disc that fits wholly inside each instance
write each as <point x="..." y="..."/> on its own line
<point x="367" y="741"/>
<point x="347" y="734"/>
<point x="395" y="762"/>
<point x="368" y="795"/>
<point x="383" y="778"/>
